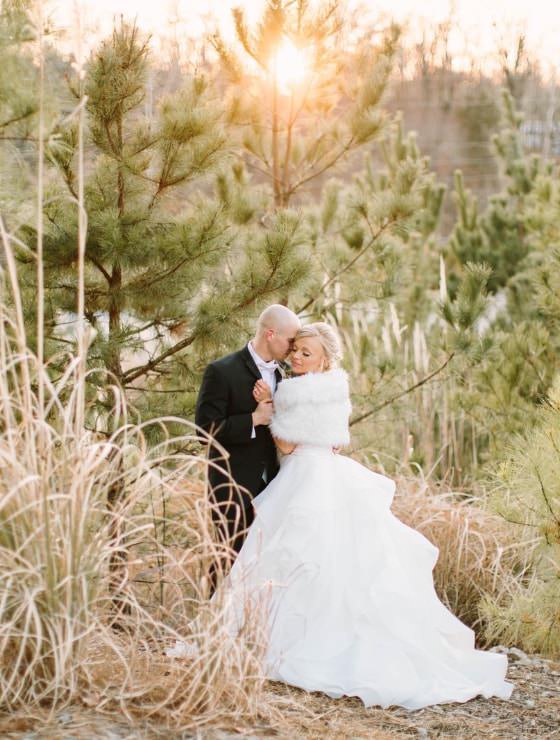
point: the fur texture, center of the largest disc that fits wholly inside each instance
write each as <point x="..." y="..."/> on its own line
<point x="313" y="409"/>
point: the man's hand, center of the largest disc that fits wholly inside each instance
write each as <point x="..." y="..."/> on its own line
<point x="262" y="415"/>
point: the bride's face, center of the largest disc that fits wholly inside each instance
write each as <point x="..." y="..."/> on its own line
<point x="307" y="356"/>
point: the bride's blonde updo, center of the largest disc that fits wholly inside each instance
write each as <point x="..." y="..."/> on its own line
<point x="330" y="341"/>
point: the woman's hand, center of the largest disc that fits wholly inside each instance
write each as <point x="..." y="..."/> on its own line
<point x="261" y="391"/>
<point x="286" y="448"/>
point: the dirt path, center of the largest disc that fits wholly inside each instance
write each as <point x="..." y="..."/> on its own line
<point x="532" y="712"/>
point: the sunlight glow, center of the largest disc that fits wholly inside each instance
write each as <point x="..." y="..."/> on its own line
<point x="292" y="66"/>
<point x="480" y="26"/>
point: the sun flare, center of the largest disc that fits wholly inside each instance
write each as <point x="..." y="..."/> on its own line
<point x="291" y="65"/>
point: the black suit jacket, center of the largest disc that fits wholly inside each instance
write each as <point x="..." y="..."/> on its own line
<point x="224" y="408"/>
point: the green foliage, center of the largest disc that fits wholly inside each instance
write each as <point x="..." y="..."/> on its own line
<point x="366" y="235"/>
<point x="168" y="274"/>
<point x="294" y="136"/>
<point x="470" y="302"/>
<point x="530" y="497"/>
<point x="502" y="389"/>
<point x="494" y="238"/>
<point x="18" y="105"/>
<point x="18" y="76"/>
<point x="542" y="221"/>
<point x="498" y="236"/>
<point x="500" y="393"/>
<point x="479" y="113"/>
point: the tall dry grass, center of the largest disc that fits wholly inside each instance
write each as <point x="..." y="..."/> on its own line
<point x="105" y="542"/>
<point x="91" y="595"/>
<point x="481" y="556"/>
<point x="79" y="618"/>
<point x="425" y="428"/>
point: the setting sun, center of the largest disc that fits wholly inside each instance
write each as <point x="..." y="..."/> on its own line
<point x="291" y="64"/>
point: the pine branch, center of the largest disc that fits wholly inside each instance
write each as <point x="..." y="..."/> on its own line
<point x="346" y="267"/>
<point x="263" y="291"/>
<point x="545" y="496"/>
<point x="140" y="370"/>
<point x="100" y="267"/>
<point x="392" y="400"/>
<point x="143" y="282"/>
<point x="243" y="34"/>
<point x="331" y="163"/>
<point x="163" y="184"/>
<point x="16" y="119"/>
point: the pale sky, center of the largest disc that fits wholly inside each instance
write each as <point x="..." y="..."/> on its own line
<point x="481" y="21"/>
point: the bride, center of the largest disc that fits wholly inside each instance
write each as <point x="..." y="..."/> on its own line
<point x="350" y="599"/>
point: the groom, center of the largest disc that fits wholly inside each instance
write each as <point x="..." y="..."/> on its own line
<point x="227" y="410"/>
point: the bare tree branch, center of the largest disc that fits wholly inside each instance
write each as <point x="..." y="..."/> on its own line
<point x="391" y="400"/>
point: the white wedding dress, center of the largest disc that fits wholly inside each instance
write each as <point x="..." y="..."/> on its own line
<point x="348" y="587"/>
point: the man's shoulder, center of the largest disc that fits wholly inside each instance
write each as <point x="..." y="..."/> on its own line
<point x="223" y="364"/>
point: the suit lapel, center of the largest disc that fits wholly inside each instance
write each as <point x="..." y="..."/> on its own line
<point x="248" y="360"/>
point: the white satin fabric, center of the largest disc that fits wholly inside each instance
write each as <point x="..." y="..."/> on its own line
<point x="349" y="592"/>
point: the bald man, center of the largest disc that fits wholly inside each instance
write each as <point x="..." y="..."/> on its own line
<point x="226" y="409"/>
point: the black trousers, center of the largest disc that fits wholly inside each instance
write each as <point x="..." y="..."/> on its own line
<point x="232" y="515"/>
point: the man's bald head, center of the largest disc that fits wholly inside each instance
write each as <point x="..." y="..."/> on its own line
<point x="278" y="318"/>
<point x="276" y="330"/>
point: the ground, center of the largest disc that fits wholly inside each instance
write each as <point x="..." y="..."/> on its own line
<point x="532" y="712"/>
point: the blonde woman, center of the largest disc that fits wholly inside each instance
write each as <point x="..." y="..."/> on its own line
<point x="352" y="607"/>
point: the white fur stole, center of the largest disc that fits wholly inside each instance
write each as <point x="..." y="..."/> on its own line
<point x="313" y="409"/>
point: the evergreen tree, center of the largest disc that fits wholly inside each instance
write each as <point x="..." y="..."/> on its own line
<point x="493" y="238"/>
<point x="296" y="135"/>
<point x="498" y="236"/>
<point x="373" y="239"/>
<point x="18" y="106"/>
<point x="500" y="394"/>
<point x="164" y="272"/>
<point x="529" y="491"/>
<point x="365" y="236"/>
<point x="296" y="129"/>
<point x="18" y="96"/>
<point x="529" y="497"/>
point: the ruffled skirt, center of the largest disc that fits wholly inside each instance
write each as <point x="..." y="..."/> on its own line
<point x="349" y="595"/>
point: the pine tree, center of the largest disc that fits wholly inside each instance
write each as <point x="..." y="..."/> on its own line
<point x="18" y="106"/>
<point x="164" y="271"/>
<point x="529" y="491"/>
<point x="296" y="135"/>
<point x="498" y="237"/>
<point x="18" y="101"/>
<point x="493" y="238"/>
<point x="295" y="131"/>
<point x="373" y="239"/>
<point x="501" y="393"/>
<point x="529" y="497"/>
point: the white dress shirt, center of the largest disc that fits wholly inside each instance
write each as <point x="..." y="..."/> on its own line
<point x="267" y="371"/>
